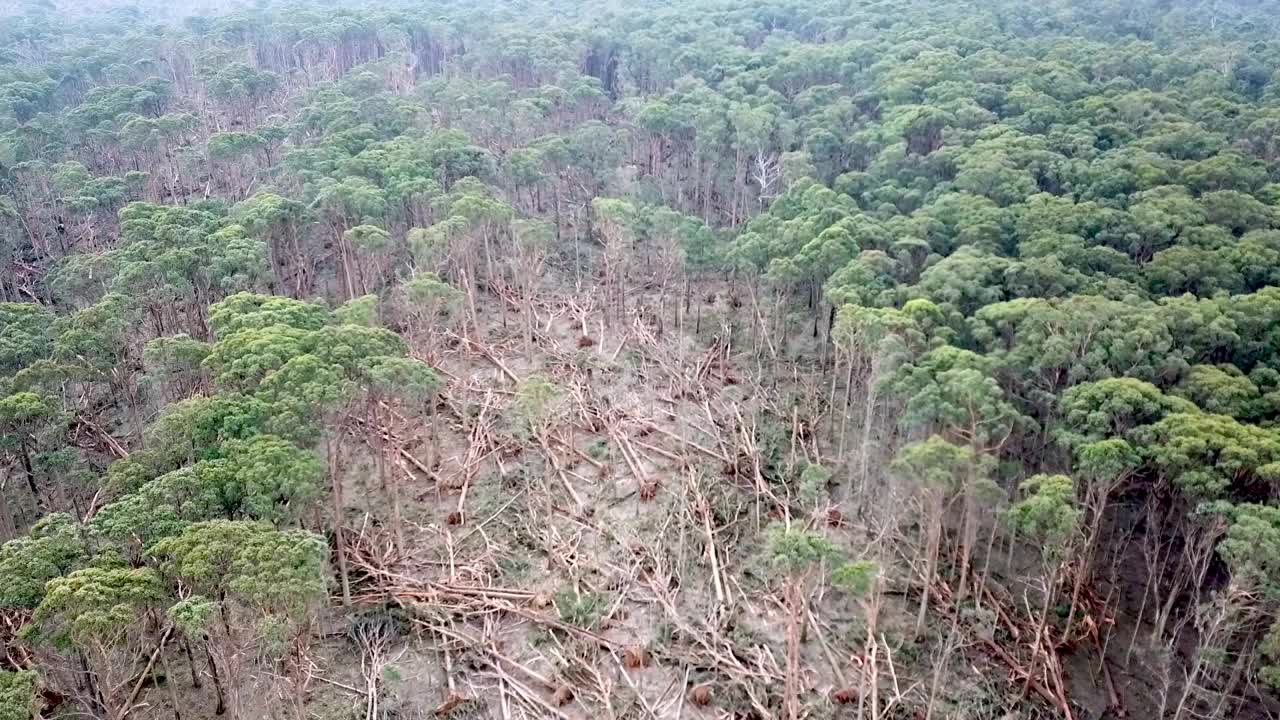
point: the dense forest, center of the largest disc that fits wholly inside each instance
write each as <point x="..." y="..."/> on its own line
<point x="757" y="359"/>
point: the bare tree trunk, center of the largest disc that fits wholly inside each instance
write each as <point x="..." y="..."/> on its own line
<point x="933" y="539"/>
<point x="191" y="664"/>
<point x="388" y="481"/>
<point x="331" y="451"/>
<point x="7" y="527"/>
<point x="940" y="667"/>
<point x="528" y="322"/>
<point x="169" y="683"/>
<point x="986" y="563"/>
<point x="854" y="482"/>
<point x="795" y="603"/>
<point x="434" y="446"/>
<point x="25" y="455"/>
<point x="345" y="256"/>
<point x="1038" y="645"/>
<point x="1084" y="573"/>
<point x="967" y="538"/>
<point x="217" y="681"/>
<point x="868" y="418"/>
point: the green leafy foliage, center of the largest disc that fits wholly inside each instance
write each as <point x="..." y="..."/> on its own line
<point x="96" y="605"/>
<point x="952" y="390"/>
<point x="403" y="378"/>
<point x="246" y="311"/>
<point x="1047" y="513"/>
<point x="193" y="615"/>
<point x="1252" y="548"/>
<point x="937" y="464"/>
<point x="793" y="550"/>
<point x="856" y="578"/>
<point x="270" y="478"/>
<point x="536" y="399"/>
<point x="251" y="561"/>
<point x="1270" y="674"/>
<point x="1112" y="408"/>
<point x="1205" y="455"/>
<point x="24" y="335"/>
<point x="18" y="700"/>
<point x="52" y="548"/>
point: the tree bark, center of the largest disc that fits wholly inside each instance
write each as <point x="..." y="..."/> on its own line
<point x="30" y="473"/>
<point x="217" y="681"/>
<point x="331" y="451"/>
<point x="933" y="533"/>
<point x="191" y="664"/>
<point x="1038" y="646"/>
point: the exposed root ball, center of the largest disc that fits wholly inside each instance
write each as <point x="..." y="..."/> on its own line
<point x="844" y="696"/>
<point x="450" y="704"/>
<point x="635" y="657"/>
<point x="835" y="518"/>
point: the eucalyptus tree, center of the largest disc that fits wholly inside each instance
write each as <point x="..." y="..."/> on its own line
<point x="306" y="389"/>
<point x="237" y="579"/>
<point x="346" y="204"/>
<point x="1231" y="619"/>
<point x="1047" y="514"/>
<point x="796" y="554"/>
<point x="24" y="335"/>
<point x="414" y="385"/>
<point x="871" y="343"/>
<point x="941" y="470"/>
<point x="176" y="364"/>
<point x="277" y="221"/>
<point x="52" y="548"/>
<point x="428" y="304"/>
<point x="96" y="610"/>
<point x="1200" y="460"/>
<point x="24" y="417"/>
<point x="532" y="242"/>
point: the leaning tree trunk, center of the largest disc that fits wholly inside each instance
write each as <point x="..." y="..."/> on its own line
<point x="933" y="539"/>
<point x="331" y="451"/>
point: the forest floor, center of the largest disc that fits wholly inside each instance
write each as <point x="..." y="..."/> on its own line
<point x="604" y="558"/>
<point x="584" y="538"/>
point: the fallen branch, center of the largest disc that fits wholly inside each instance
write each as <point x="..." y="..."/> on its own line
<point x="560" y="473"/>
<point x="114" y="445"/>
<point x="483" y="352"/>
<point x="704" y="450"/>
<point x="1113" y="697"/>
<point x="137" y="687"/>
